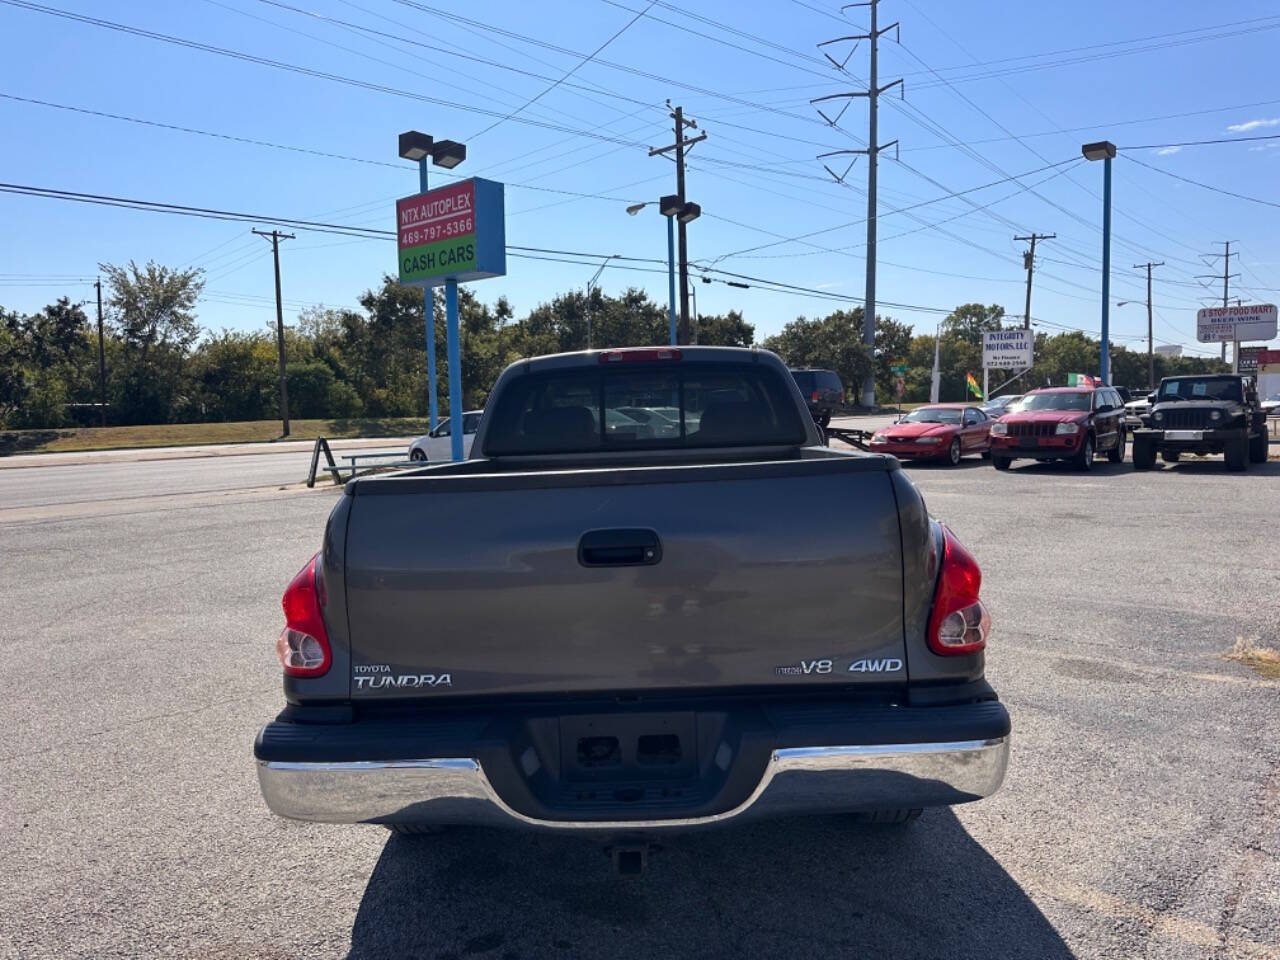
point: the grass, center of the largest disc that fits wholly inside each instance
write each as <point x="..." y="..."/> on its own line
<point x="187" y="434"/>
<point x="1265" y="660"/>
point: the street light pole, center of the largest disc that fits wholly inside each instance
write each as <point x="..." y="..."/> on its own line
<point x="1151" y="352"/>
<point x="1105" y="151"/>
<point x="671" y="277"/>
<point x="429" y="316"/>
<point x="424" y="150"/>
<point x="591" y="283"/>
<point x="671" y="255"/>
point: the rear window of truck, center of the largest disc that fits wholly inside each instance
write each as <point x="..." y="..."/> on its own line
<point x="640" y="407"/>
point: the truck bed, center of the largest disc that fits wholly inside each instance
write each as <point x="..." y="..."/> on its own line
<point x="463" y="581"/>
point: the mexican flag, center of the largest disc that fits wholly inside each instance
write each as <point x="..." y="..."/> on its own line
<point x="973" y="386"/>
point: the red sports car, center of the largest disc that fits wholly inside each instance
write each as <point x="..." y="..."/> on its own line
<point x="940" y="431"/>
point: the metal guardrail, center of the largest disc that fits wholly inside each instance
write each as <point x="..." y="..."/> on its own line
<point x="352" y="466"/>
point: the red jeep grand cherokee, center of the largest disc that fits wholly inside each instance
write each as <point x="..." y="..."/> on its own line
<point x="1061" y="423"/>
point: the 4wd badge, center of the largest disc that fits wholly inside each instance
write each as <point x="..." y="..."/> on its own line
<point x="882" y="665"/>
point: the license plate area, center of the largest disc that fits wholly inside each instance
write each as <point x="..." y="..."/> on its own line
<point x="628" y="747"/>
<point x="1029" y="443"/>
<point x="1184" y="434"/>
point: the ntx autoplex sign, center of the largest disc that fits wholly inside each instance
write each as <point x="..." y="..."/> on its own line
<point x="455" y="233"/>
<point x="1250" y="321"/>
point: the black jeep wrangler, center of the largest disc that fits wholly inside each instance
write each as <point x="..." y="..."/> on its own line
<point x="1208" y="413"/>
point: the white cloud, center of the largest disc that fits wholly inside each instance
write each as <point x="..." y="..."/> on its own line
<point x="1254" y="125"/>
<point x="1264" y="146"/>
<point x="829" y="286"/>
<point x="1166" y="151"/>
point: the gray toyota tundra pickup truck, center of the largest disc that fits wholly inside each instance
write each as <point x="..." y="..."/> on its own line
<point x="599" y="624"/>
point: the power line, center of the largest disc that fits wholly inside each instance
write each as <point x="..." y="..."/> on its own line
<point x="1201" y="143"/>
<point x="1206" y="186"/>
<point x="953" y="194"/>
<point x="399" y="167"/>
<point x="301" y="70"/>
<point x="559" y="80"/>
<point x="1012" y="66"/>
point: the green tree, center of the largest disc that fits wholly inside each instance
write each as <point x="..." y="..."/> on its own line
<point x="833" y="342"/>
<point x="725" y="330"/>
<point x="893" y="341"/>
<point x="153" y="310"/>
<point x="969" y="321"/>
<point x="310" y="386"/>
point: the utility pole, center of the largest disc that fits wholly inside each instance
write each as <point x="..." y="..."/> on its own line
<point x="276" y="236"/>
<point x="1227" y="275"/>
<point x="1029" y="261"/>
<point x="872" y="151"/>
<point x="680" y="147"/>
<point x="102" y="361"/>
<point x="1151" y="350"/>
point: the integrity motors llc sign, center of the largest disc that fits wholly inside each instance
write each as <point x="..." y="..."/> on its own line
<point x="455" y="233"/>
<point x="1250" y="321"/>
<point x="1008" y="349"/>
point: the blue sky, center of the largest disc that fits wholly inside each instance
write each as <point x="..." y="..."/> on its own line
<point x="1018" y="85"/>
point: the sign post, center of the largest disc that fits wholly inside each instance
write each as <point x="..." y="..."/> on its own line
<point x="1253" y="321"/>
<point x="899" y="371"/>
<point x="451" y="235"/>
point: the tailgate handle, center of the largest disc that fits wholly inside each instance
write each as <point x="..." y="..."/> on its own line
<point x="619" y="548"/>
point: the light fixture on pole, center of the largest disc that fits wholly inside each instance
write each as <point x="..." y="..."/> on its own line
<point x="424" y="150"/>
<point x="1105" y="151"/>
<point x="670" y="207"/>
<point x="689" y="213"/>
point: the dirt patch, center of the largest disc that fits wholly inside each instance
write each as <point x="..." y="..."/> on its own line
<point x="1262" y="659"/>
<point x="1092" y="670"/>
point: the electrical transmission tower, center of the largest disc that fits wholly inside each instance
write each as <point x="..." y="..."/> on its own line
<point x="872" y="153"/>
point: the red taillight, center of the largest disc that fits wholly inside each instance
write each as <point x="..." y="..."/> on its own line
<point x="303" y="646"/>
<point x="815" y="397"/>
<point x="959" y="623"/>
<point x="639" y="356"/>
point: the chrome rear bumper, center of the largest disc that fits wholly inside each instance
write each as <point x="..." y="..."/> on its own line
<point x="797" y="780"/>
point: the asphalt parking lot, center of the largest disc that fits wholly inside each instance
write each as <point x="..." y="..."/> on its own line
<point x="1140" y="817"/>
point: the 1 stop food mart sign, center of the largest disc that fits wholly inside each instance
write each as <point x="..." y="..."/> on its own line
<point x="455" y="233"/>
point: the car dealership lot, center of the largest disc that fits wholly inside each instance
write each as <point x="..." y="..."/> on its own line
<point x="1140" y="817"/>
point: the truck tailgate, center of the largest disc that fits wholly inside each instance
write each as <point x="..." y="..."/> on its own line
<point x="776" y="574"/>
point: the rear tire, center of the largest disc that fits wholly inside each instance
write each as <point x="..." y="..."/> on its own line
<point x="1170" y="456"/>
<point x="1144" y="454"/>
<point x="1084" y="459"/>
<point x="1258" y="448"/>
<point x="1001" y="463"/>
<point x="954" y="453"/>
<point x="1236" y="454"/>
<point x="824" y="421"/>
<point x="417" y="456"/>
<point x="887" y="817"/>
<point x="1116" y="454"/>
